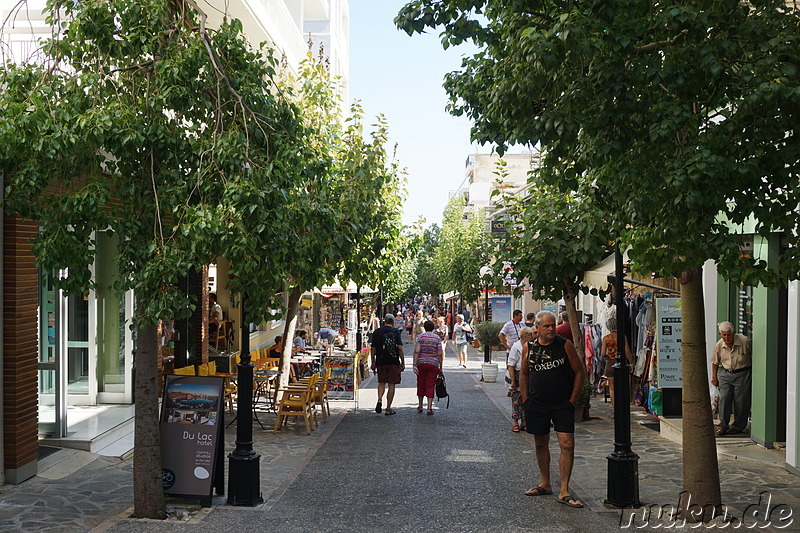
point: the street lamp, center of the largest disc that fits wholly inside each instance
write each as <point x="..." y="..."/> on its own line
<point x="244" y="477"/>
<point x="623" y="463"/>
<point x="486" y="272"/>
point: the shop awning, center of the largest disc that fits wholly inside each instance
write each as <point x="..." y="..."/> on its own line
<point x="597" y="277"/>
<point x="336" y="288"/>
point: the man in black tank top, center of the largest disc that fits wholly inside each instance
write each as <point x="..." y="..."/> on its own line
<point x="551" y="379"/>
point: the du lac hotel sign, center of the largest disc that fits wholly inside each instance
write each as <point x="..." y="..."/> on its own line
<point x="191" y="436"/>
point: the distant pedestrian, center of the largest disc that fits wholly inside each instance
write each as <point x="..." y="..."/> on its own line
<point x="409" y="323"/>
<point x="608" y="348"/>
<point x="388" y="361"/>
<point x="428" y="357"/>
<point x="551" y="379"/>
<point x="530" y="318"/>
<point x="419" y="325"/>
<point x="443" y="332"/>
<point x="460" y="331"/>
<point x="510" y="332"/>
<point x="731" y="371"/>
<point x="564" y="329"/>
<point x="508" y="335"/>
<point x="514" y="365"/>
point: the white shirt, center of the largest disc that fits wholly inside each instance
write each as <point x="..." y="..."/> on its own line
<point x="515" y="357"/>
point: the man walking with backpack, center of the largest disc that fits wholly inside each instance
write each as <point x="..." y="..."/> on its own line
<point x="388" y="361"/>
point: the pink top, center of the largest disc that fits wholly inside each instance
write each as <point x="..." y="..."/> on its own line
<point x="430" y="348"/>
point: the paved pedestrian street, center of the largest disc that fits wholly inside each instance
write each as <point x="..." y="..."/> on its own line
<point x="462" y="469"/>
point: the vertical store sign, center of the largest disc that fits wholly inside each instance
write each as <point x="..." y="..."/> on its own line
<point x="191" y="433"/>
<point x="668" y="337"/>
<point x="501" y="309"/>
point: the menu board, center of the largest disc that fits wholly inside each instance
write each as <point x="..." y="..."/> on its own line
<point x="668" y="337"/>
<point x="191" y="434"/>
<point x="342" y="385"/>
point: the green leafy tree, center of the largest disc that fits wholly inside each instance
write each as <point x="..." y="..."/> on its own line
<point x="345" y="209"/>
<point x="400" y="282"/>
<point x="462" y="250"/>
<point x="685" y="113"/>
<point x="427" y="280"/>
<point x="554" y="238"/>
<point x="144" y="122"/>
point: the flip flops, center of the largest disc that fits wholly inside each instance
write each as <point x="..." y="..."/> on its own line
<point x="566" y="500"/>
<point x="378" y="407"/>
<point x="419" y="409"/>
<point x="430" y="412"/>
<point x="538" y="491"/>
<point x="389" y="411"/>
<point x="515" y="428"/>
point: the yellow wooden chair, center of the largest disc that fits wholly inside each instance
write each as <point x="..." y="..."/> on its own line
<point x="321" y="394"/>
<point x="185" y="371"/>
<point x="298" y="402"/>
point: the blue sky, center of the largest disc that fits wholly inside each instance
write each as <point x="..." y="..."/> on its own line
<point x="401" y="77"/>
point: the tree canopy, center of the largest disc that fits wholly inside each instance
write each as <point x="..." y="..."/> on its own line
<point x="463" y="248"/>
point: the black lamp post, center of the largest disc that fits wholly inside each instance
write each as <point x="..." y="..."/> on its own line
<point x="358" y="318"/>
<point x="486" y="271"/>
<point x="244" y="476"/>
<point x="623" y="464"/>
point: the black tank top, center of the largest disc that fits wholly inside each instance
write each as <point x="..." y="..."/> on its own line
<point x="550" y="378"/>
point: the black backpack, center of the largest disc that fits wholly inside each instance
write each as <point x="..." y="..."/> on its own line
<point x="390" y="356"/>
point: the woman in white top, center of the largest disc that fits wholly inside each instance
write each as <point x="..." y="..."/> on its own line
<point x="460" y="330"/>
<point x="514" y="366"/>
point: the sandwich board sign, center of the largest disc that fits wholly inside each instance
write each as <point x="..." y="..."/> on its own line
<point x="192" y="436"/>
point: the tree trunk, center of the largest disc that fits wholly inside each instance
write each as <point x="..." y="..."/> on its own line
<point x="148" y="492"/>
<point x="570" y="299"/>
<point x="288" y="334"/>
<point x="700" y="467"/>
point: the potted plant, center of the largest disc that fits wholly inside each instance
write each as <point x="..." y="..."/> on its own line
<point x="486" y="333"/>
<point x="584" y="402"/>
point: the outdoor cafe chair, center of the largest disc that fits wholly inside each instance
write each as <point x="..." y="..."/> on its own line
<point x="298" y="402"/>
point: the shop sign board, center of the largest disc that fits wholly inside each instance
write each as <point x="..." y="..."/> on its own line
<point x="499" y="227"/>
<point x="501" y="309"/>
<point x="192" y="435"/>
<point x="668" y="338"/>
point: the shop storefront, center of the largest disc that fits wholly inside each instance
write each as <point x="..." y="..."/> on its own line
<point x="85" y="344"/>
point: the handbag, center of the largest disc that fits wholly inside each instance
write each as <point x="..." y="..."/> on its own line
<point x="441" y="389"/>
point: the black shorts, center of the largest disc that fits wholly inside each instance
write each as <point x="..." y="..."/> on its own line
<point x="539" y="415"/>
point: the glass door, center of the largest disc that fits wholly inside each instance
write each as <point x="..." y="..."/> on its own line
<point x="52" y="397"/>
